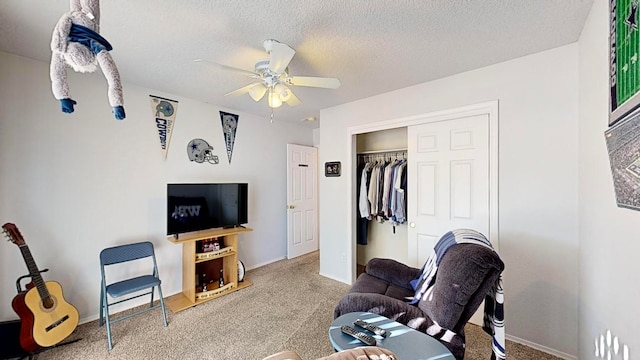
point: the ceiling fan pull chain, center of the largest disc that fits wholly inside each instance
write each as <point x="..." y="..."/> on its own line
<point x="272" y="115"/>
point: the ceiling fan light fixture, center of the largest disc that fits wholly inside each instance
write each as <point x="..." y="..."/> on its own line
<point x="283" y="92"/>
<point x="274" y="100"/>
<point x="272" y="75"/>
<point x="257" y="92"/>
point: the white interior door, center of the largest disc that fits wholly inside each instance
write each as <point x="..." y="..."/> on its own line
<point x="302" y="200"/>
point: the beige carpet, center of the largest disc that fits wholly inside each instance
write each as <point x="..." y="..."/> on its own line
<point x="288" y="307"/>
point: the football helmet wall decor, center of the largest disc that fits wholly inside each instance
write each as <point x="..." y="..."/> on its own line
<point x="200" y="151"/>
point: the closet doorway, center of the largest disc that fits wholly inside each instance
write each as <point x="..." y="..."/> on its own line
<point x="419" y="239"/>
<point x="385" y="234"/>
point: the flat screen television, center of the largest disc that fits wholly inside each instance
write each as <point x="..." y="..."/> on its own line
<point x="193" y="207"/>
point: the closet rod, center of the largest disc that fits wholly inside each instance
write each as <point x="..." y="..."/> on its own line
<point x="381" y="151"/>
<point x="381" y="155"/>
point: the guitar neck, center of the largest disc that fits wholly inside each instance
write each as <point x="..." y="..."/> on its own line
<point x="34" y="272"/>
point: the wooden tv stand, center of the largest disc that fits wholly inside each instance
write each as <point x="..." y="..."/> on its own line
<point x="192" y="295"/>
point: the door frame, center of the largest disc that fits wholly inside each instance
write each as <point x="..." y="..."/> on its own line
<point x="489" y="108"/>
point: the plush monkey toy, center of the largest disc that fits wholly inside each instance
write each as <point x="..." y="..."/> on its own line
<point x="76" y="42"/>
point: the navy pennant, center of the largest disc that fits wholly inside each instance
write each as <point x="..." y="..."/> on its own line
<point x="229" y="127"/>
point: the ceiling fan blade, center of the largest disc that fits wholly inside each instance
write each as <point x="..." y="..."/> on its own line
<point x="280" y="56"/>
<point x="311" y="81"/>
<point x="229" y="68"/>
<point x="243" y="90"/>
<point x="293" y="99"/>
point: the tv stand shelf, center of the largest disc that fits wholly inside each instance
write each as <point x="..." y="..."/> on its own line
<point x="190" y="295"/>
<point x="216" y="254"/>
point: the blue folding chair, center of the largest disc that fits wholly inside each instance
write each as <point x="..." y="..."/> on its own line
<point x="117" y="255"/>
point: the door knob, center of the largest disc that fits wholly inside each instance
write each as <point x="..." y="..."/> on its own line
<point x="412" y="224"/>
<point x="290" y="206"/>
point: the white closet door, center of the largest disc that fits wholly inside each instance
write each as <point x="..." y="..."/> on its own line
<point x="448" y="181"/>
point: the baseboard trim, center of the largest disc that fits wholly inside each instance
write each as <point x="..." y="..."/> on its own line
<point x="334" y="278"/>
<point x="255" y="266"/>
<point x="545" y="349"/>
<point x="88" y="319"/>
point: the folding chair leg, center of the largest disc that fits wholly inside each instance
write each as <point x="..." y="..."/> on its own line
<point x="107" y="321"/>
<point x="101" y="321"/>
<point x="164" y="313"/>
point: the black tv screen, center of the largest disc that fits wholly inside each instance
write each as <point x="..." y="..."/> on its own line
<point x="192" y="207"/>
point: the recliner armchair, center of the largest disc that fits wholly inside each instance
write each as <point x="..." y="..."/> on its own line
<point x="465" y="275"/>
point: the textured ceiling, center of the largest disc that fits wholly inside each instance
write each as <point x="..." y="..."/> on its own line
<point x="372" y="46"/>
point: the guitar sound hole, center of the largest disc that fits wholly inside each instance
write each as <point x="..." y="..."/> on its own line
<point x="48" y="302"/>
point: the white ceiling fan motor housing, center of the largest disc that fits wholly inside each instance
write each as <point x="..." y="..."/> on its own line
<point x="269" y="77"/>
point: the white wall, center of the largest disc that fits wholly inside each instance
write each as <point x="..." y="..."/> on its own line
<point x="609" y="236"/>
<point x="538" y="183"/>
<point x="77" y="183"/>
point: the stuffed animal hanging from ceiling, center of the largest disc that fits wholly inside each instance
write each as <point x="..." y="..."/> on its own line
<point x="76" y="42"/>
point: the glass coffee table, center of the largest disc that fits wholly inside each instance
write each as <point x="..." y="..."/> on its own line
<point x="405" y="342"/>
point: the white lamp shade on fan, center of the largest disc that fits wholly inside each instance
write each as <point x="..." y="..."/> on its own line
<point x="274" y="99"/>
<point x="257" y="92"/>
<point x="283" y="92"/>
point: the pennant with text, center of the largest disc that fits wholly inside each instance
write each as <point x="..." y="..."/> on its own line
<point x="229" y="127"/>
<point x="164" y="112"/>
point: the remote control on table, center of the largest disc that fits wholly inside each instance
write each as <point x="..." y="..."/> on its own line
<point x="369" y="340"/>
<point x="373" y="328"/>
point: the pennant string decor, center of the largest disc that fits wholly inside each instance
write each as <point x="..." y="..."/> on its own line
<point x="164" y="112"/>
<point x="229" y="127"/>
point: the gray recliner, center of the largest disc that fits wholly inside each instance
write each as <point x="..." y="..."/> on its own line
<point x="465" y="275"/>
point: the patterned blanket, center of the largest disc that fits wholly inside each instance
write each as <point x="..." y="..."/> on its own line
<point x="494" y="301"/>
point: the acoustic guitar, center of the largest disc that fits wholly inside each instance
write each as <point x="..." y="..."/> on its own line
<point x="46" y="317"/>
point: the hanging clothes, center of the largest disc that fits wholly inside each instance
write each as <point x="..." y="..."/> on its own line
<point x="381" y="191"/>
<point x="400" y="191"/>
<point x="362" y="229"/>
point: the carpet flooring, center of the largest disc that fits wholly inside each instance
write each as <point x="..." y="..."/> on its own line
<point x="288" y="307"/>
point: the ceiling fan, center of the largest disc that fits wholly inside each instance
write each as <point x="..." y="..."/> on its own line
<point x="272" y="77"/>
